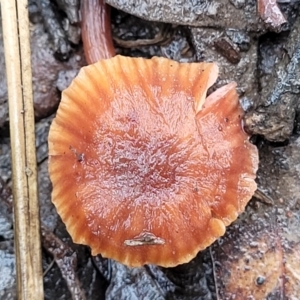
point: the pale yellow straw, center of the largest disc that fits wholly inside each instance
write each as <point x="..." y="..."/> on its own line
<point x="24" y="172"/>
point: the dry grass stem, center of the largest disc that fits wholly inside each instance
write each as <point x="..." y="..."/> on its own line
<point x="19" y="81"/>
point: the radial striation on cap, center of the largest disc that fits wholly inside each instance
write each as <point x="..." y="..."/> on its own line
<point x="146" y="168"/>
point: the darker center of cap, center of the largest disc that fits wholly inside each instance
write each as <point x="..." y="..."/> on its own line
<point x="146" y="159"/>
<point x="155" y="166"/>
<point x="141" y="166"/>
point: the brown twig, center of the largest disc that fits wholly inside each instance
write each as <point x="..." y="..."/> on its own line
<point x="66" y="260"/>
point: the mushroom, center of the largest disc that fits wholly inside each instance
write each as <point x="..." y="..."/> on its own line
<point x="96" y="30"/>
<point x="145" y="168"/>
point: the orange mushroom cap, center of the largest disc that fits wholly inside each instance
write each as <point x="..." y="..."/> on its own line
<point x="145" y="168"/>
